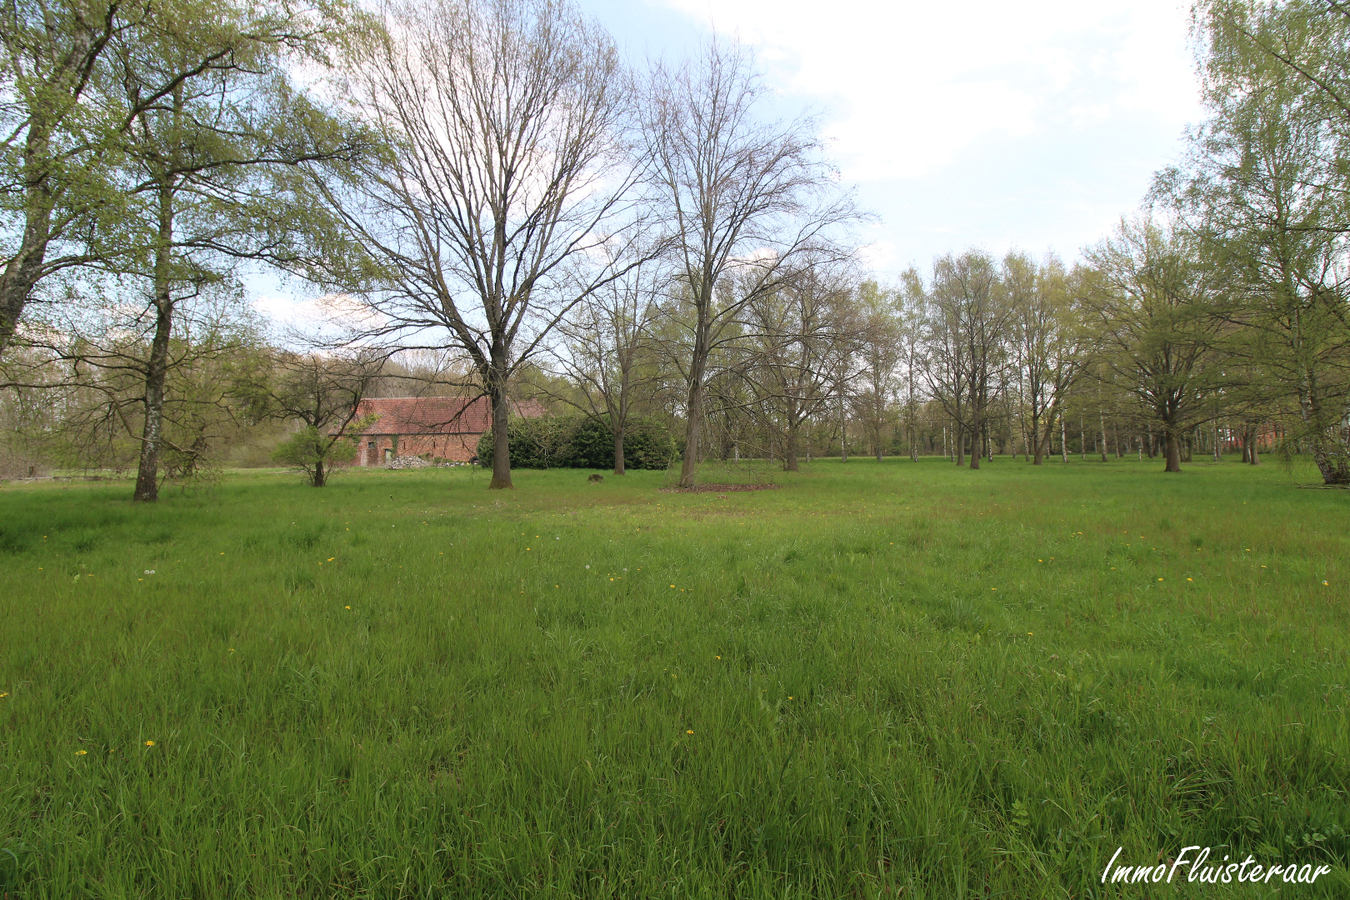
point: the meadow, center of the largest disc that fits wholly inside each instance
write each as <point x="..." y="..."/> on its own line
<point x="877" y="680"/>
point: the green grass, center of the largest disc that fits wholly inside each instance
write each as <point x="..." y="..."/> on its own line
<point x="901" y="680"/>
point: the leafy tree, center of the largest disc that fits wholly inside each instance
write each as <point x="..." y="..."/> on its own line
<point x="213" y="133"/>
<point x="54" y="152"/>
<point x="1267" y="189"/>
<point x="1153" y="299"/>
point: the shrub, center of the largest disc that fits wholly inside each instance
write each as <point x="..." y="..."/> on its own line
<point x="582" y="442"/>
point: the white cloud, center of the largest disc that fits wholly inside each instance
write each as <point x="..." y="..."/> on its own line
<point x="984" y="123"/>
<point x="908" y="86"/>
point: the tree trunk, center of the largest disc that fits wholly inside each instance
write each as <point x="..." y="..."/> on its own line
<point x="689" y="465"/>
<point x="959" y="444"/>
<point x="1037" y="444"/>
<point x="320" y="474"/>
<point x="157" y="366"/>
<point x="1172" y="446"/>
<point x="1063" y="440"/>
<point x="501" y="421"/>
<point x="976" y="450"/>
<point x="618" y="451"/>
<point x="790" y="449"/>
<point x="22" y="270"/>
<point x="843" y="432"/>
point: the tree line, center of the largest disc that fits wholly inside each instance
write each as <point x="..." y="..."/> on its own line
<point x="486" y="183"/>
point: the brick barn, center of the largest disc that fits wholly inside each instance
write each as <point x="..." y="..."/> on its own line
<point x="446" y="428"/>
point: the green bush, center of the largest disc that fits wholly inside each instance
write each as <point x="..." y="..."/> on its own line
<point x="582" y="442"/>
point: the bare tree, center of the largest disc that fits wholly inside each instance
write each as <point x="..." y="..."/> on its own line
<point x="1050" y="344"/>
<point x="323" y="391"/>
<point x="743" y="197"/>
<point x="607" y="350"/>
<point x="967" y="345"/>
<point x="507" y="170"/>
<point x="881" y="350"/>
<point x="802" y="335"/>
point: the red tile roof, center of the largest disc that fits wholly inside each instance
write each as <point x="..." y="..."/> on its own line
<point x="437" y="415"/>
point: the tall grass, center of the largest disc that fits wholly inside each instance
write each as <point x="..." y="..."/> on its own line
<point x="878" y="680"/>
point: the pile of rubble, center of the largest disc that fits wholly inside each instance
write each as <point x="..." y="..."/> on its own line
<point x="417" y="462"/>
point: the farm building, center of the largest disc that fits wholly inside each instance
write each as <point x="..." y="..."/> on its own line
<point x="445" y="428"/>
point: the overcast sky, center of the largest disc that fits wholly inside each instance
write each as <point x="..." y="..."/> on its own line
<point x="1033" y="125"/>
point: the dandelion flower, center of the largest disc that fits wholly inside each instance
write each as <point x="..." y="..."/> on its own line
<point x="1325" y="582"/>
<point x="1190" y="579"/>
<point x="1160" y="579"/>
<point x="346" y="607"/>
<point x="149" y="743"/>
<point x="81" y="752"/>
<point x="4" y="695"/>
<point x="690" y="731"/>
<point x="331" y="558"/>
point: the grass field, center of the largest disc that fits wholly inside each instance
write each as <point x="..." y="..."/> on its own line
<point x="876" y="681"/>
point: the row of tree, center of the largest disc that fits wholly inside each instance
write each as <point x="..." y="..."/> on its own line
<point x="483" y="180"/>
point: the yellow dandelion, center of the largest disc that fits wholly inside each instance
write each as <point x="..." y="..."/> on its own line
<point x="1160" y="579"/>
<point x="149" y="743"/>
<point x="331" y="558"/>
<point x="81" y="752"/>
<point x="789" y="698"/>
<point x="1325" y="582"/>
<point x="1190" y="579"/>
<point x="346" y="607"/>
<point x="231" y="649"/>
<point x="719" y="657"/>
<point x="4" y="695"/>
<point x="689" y="731"/>
<point x="672" y="585"/>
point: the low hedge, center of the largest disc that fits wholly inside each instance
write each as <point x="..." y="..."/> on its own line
<point x="582" y="442"/>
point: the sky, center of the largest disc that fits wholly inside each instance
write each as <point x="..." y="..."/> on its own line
<point x="992" y="125"/>
<point x="1032" y="125"/>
